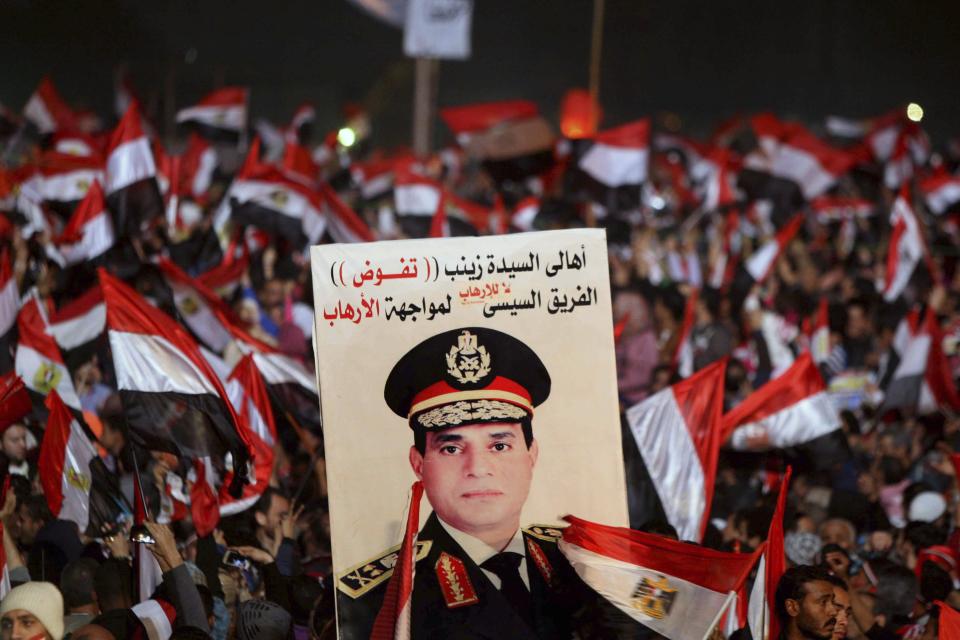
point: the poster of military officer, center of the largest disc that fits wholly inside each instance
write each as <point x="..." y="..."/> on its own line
<point x="484" y="368"/>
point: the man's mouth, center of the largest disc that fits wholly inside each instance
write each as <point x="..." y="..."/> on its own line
<point x="481" y="493"/>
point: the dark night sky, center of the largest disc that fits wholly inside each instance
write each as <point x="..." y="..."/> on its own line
<point x="702" y="60"/>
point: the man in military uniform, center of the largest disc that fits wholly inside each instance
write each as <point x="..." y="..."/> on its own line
<point x="469" y="396"/>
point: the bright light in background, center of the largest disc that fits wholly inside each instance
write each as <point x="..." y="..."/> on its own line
<point x="915" y="112"/>
<point x="346" y="137"/>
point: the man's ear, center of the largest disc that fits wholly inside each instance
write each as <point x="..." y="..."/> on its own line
<point x="416" y="462"/>
<point x="792" y="606"/>
<point x="261" y="518"/>
<point x="534" y="453"/>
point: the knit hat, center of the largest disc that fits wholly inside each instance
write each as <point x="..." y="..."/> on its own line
<point x="43" y="600"/>
<point x="262" y="620"/>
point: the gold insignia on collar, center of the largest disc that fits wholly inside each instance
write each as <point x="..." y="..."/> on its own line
<point x="360" y="579"/>
<point x="540" y="561"/>
<point x="455" y="584"/>
<point x="544" y="532"/>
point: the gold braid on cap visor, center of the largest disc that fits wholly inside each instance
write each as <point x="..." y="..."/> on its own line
<point x="468" y="411"/>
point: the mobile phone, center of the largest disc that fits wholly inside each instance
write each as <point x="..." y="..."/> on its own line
<point x="233" y="559"/>
<point x="139" y="533"/>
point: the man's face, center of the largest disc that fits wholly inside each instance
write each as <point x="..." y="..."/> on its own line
<point x="857" y="324"/>
<point x="841" y="600"/>
<point x="270" y="521"/>
<point x="14" y="443"/>
<point x="20" y="624"/>
<point x="836" y="533"/>
<point x="476" y="477"/>
<point x="28" y="526"/>
<point x="816" y="614"/>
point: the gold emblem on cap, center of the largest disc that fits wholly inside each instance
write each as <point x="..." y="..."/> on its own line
<point x="279" y="198"/>
<point x="467" y="361"/>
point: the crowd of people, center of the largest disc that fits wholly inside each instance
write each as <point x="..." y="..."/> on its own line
<point x="870" y="530"/>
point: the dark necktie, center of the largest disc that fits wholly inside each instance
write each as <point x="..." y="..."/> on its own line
<point x="506" y="566"/>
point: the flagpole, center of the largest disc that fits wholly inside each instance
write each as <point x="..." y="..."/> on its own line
<point x="424" y="96"/>
<point x="596" y="48"/>
<point x="716" y="619"/>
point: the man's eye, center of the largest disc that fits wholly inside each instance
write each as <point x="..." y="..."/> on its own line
<point x="449" y="449"/>
<point x="501" y="446"/>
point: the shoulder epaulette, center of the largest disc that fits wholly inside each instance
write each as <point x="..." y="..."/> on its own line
<point x="360" y="579"/>
<point x="544" y="532"/>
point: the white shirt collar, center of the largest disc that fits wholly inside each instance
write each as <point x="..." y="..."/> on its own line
<point x="479" y="551"/>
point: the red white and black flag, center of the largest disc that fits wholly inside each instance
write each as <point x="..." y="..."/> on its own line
<point x="678" y="590"/>
<point x="221" y="115"/>
<point x="200" y="309"/>
<point x="47" y="111"/>
<point x="172" y="399"/>
<point x="906" y="250"/>
<point x="39" y="361"/>
<point x="78" y="325"/>
<point x="677" y="431"/>
<point x="88" y="233"/>
<point x="922" y="380"/>
<point x="249" y="397"/>
<point x="9" y="306"/>
<point x="131" y="179"/>
<point x="66" y="452"/>
<point x="616" y="165"/>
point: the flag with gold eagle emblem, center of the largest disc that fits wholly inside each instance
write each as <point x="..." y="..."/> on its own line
<point x="39" y="361"/>
<point x="678" y="590"/>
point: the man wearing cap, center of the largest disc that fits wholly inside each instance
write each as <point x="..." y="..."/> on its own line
<point x="469" y="397"/>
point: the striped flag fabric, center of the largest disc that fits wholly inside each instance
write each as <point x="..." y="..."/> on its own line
<point x="131" y="177"/>
<point x="922" y="380"/>
<point x="761" y="611"/>
<point x="248" y="394"/>
<point x="941" y="192"/>
<point x="677" y="431"/>
<point x="78" y="325"/>
<point x="46" y="110"/>
<point x="678" y="590"/>
<point x="9" y="307"/>
<point x="393" y="619"/>
<point x="683" y="357"/>
<point x="761" y="262"/>
<point x="525" y="214"/>
<point x="39" y="361"/>
<point x="787" y="151"/>
<point x="906" y="249"/>
<point x="200" y="309"/>
<point x="949" y="622"/>
<point x="204" y="506"/>
<point x="619" y="157"/>
<point x="64" y="179"/>
<point x="820" y="334"/>
<point x="789" y="410"/>
<point x="88" y="233"/>
<point x="221" y="112"/>
<point x="172" y="399"/>
<point x="468" y="121"/>
<point x="66" y="452"/>
<point x="343" y="223"/>
<point x="14" y="399"/>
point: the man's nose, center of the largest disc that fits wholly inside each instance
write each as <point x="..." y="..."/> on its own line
<point x="477" y="464"/>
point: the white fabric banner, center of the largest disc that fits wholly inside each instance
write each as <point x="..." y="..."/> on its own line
<point x="438" y="29"/>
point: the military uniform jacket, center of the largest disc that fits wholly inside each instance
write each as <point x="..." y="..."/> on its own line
<point x="453" y="598"/>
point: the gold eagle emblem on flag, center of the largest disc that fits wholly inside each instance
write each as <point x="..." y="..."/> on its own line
<point x="653" y="597"/>
<point x="47" y="378"/>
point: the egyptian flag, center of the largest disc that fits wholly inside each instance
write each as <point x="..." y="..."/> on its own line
<point x="224" y="278"/>
<point x="343" y="223"/>
<point x="393" y="619"/>
<point x="148" y="572"/>
<point x="172" y="399"/>
<point x="949" y="621"/>
<point x="9" y="306"/>
<point x="761" y="612"/>
<point x="907" y="248"/>
<point x="911" y="149"/>
<point x="88" y="233"/>
<point x="301" y="123"/>
<point x="675" y="589"/>
<point x="941" y="192"/>
<point x="297" y="164"/>
<point x="678" y="433"/>
<point x="761" y="262"/>
<point x="221" y="115"/>
<point x="525" y="214"/>
<point x="204" y="507"/>
<point x="63" y="180"/>
<point x="723" y="269"/>
<point x="78" y="325"/>
<point x="717" y="186"/>
<point x="511" y="138"/>
<point x="15" y="401"/>
<point x="131" y="181"/>
<point x="790" y="164"/>
<point x="789" y="410"/>
<point x="47" y="111"/>
<point x="615" y="165"/>
<point x="922" y="379"/>
<point x="683" y="357"/>
<point x="375" y="177"/>
<point x="820" y="334"/>
<point x="262" y="197"/>
<point x="425" y="209"/>
<point x="250" y="400"/>
<point x="64" y="465"/>
<point x="39" y="361"/>
<point x="199" y="307"/>
<point x="291" y="387"/>
<point x="838" y="208"/>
